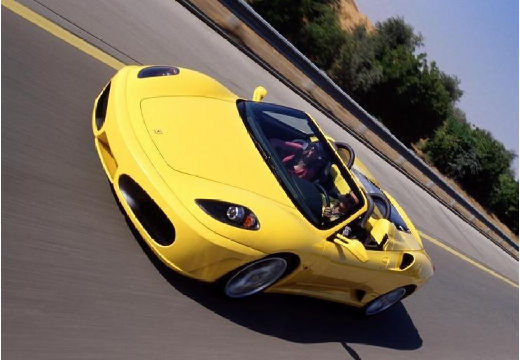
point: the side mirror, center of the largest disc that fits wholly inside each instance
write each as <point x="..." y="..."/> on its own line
<point x="259" y="93"/>
<point x="354" y="246"/>
<point x="380" y="230"/>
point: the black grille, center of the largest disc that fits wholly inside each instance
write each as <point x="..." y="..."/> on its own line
<point x="149" y="214"/>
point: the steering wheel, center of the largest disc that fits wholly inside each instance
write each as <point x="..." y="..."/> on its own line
<point x="324" y="192"/>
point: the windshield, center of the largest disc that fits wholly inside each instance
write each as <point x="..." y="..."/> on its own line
<point x="303" y="161"/>
<point x="370" y="187"/>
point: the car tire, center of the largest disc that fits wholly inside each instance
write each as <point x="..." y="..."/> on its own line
<point x="384" y="302"/>
<point x="255" y="277"/>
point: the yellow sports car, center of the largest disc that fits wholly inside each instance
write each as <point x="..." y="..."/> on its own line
<point x="251" y="195"/>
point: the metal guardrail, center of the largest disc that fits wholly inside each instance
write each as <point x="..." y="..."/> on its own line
<point x="247" y="15"/>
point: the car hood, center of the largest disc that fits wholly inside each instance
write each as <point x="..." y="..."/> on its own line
<point x="206" y="137"/>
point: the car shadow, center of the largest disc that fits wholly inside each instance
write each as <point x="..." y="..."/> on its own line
<point x="295" y="318"/>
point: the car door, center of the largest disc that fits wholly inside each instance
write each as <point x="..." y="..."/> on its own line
<point x="342" y="276"/>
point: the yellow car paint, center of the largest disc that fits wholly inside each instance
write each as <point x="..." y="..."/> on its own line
<point x="352" y="245"/>
<point x="339" y="182"/>
<point x="381" y="228"/>
<point x="180" y="138"/>
<point x="169" y="119"/>
<point x="259" y="93"/>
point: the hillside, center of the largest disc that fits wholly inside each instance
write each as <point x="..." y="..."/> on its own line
<point x="350" y="17"/>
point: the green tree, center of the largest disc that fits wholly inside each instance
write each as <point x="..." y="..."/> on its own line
<point x="504" y="200"/>
<point x="493" y="159"/>
<point x="356" y="68"/>
<point x="451" y="84"/>
<point x="286" y="16"/>
<point x="412" y="98"/>
<point x="480" y="163"/>
<point x="311" y="25"/>
<point x="384" y="73"/>
<point x="322" y="37"/>
<point x="450" y="148"/>
<point x="395" y="33"/>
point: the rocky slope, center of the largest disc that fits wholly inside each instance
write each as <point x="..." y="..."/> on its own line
<point x="350" y="17"/>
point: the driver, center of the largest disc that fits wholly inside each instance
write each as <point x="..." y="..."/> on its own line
<point x="306" y="162"/>
<point x="303" y="160"/>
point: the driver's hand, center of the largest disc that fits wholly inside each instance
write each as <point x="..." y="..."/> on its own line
<point x="330" y="211"/>
<point x="327" y="211"/>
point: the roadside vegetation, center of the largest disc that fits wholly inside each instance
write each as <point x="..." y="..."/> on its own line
<point x="385" y="72"/>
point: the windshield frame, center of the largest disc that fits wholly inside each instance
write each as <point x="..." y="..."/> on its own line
<point x="282" y="175"/>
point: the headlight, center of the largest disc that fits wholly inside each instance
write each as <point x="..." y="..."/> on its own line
<point x="232" y="214"/>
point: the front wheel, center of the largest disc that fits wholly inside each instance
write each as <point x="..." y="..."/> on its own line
<point x="255" y="277"/>
<point x="384" y="301"/>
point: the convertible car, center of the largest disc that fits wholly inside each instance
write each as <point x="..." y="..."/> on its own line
<point x="250" y="195"/>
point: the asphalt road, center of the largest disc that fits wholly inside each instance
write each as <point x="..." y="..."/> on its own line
<point x="77" y="284"/>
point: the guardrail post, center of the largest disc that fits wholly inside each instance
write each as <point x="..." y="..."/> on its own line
<point x="362" y="129"/>
<point x="399" y="160"/>
<point x="309" y="86"/>
<point x="232" y="23"/>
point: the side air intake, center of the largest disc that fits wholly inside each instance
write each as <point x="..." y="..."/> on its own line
<point x="101" y="108"/>
<point x="407" y="261"/>
<point x="151" y="217"/>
